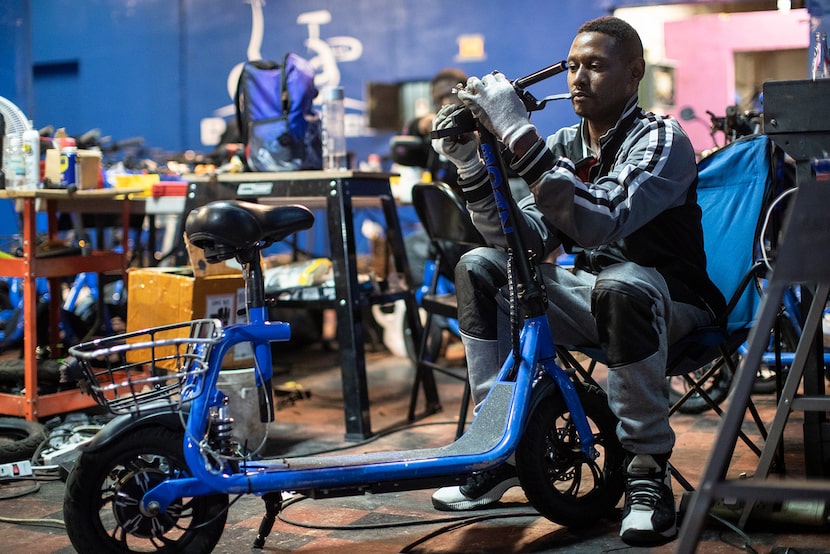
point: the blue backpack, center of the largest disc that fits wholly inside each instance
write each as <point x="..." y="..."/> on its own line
<point x="277" y="122"/>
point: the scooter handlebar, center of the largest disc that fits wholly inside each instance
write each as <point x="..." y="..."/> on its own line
<point x="464" y="121"/>
<point x="541" y="75"/>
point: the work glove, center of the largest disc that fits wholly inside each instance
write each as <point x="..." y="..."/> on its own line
<point x="461" y="151"/>
<point x="495" y="103"/>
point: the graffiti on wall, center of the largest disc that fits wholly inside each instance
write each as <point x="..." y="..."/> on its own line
<point x="324" y="55"/>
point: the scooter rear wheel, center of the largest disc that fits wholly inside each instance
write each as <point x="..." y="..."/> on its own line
<point x="561" y="482"/>
<point x="104" y="490"/>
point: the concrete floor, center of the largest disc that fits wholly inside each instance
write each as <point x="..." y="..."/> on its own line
<point x="406" y="522"/>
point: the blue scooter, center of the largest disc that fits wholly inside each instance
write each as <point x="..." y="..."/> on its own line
<point x="158" y="476"/>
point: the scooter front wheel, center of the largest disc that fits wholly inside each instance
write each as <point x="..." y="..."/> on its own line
<point x="559" y="480"/>
<point x="104" y="491"/>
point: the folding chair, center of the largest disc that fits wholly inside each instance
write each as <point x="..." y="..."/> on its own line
<point x="734" y="187"/>
<point x="451" y="232"/>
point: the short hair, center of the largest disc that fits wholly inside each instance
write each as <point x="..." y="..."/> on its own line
<point x="445" y="82"/>
<point x="621" y="31"/>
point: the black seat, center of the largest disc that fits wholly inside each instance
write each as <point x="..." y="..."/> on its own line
<point x="451" y="232"/>
<point x="224" y="229"/>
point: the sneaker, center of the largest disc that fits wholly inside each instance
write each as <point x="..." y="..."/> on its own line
<point x="481" y="489"/>
<point x="649" y="515"/>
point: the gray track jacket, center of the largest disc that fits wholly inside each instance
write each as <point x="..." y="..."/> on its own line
<point x="636" y="202"/>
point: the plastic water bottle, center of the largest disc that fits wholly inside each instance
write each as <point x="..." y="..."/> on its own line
<point x="13" y="162"/>
<point x="821" y="57"/>
<point x="334" y="130"/>
<point x="31" y="157"/>
<point x="2" y="152"/>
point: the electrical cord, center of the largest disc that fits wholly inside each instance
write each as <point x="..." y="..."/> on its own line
<point x="35" y="479"/>
<point x="21" y="492"/>
<point x="767" y="218"/>
<point x="457" y="522"/>
<point x="469" y="520"/>
<point x="747" y="542"/>
<point x="39" y="473"/>
<point x="375" y="437"/>
<point x="39" y="521"/>
<point x="451" y="523"/>
<point x="454" y="521"/>
<point x="225" y="510"/>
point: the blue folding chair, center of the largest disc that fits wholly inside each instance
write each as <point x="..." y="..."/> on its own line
<point x="735" y="185"/>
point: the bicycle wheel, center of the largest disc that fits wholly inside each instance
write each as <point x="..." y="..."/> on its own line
<point x="560" y="482"/>
<point x="104" y="490"/>
<point x="716" y="386"/>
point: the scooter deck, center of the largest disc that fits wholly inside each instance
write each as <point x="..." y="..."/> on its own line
<point x="487" y="430"/>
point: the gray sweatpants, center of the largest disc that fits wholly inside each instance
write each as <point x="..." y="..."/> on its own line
<point x="625" y="309"/>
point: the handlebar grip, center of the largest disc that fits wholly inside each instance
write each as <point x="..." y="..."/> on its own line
<point x="541" y="75"/>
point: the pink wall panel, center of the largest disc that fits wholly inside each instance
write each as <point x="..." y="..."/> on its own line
<point x="703" y="49"/>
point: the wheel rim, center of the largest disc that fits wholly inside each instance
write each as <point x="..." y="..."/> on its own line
<point x="126" y="505"/>
<point x="569" y="470"/>
<point x="120" y="514"/>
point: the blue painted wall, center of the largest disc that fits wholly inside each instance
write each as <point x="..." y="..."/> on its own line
<point x="15" y="52"/>
<point x="110" y="64"/>
<point x="156" y="68"/>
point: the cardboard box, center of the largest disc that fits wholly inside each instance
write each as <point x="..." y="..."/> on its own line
<point x="88" y="172"/>
<point x="201" y="268"/>
<point x="160" y="296"/>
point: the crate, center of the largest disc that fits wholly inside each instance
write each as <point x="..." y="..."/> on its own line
<point x="162" y="296"/>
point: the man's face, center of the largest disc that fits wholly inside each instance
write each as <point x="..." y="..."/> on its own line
<point x="600" y="79"/>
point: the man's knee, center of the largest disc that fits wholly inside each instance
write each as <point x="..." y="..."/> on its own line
<point x="626" y="321"/>
<point x="480" y="269"/>
<point x="478" y="276"/>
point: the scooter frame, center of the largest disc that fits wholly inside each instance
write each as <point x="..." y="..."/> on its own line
<point x="528" y="376"/>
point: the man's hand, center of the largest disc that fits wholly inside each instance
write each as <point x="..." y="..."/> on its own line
<point x="494" y="102"/>
<point x="462" y="152"/>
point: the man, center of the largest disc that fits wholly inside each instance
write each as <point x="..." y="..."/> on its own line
<point x="414" y="148"/>
<point x="618" y="190"/>
<point x="420" y="153"/>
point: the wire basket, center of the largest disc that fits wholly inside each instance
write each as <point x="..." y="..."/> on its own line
<point x="127" y="372"/>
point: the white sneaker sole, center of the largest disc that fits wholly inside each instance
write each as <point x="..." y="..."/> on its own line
<point x="641" y="537"/>
<point x="450" y="499"/>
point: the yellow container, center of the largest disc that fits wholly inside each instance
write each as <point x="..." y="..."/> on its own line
<point x="144" y="181"/>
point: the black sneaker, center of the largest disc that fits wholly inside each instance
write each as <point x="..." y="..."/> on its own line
<point x="649" y="515"/>
<point x="481" y="489"/>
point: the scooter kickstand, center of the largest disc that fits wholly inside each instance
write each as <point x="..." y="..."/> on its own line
<point x="272" y="508"/>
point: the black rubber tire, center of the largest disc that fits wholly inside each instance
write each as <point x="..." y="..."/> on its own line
<point x="19" y="439"/>
<point x="106" y="485"/>
<point x="560" y="482"/>
<point x="717" y="387"/>
<point x="12" y="371"/>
